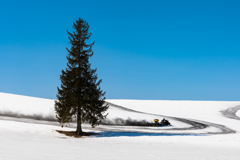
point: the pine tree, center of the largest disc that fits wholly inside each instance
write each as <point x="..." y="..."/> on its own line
<point x="80" y="95"/>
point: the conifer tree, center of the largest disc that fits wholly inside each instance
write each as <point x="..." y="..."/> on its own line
<point x="80" y="95"/>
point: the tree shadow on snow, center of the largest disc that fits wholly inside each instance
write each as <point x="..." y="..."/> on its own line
<point x="137" y="134"/>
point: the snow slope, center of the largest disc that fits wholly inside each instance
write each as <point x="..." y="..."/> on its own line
<point x="27" y="133"/>
<point x="238" y="114"/>
<point x="209" y="111"/>
<point x="17" y="105"/>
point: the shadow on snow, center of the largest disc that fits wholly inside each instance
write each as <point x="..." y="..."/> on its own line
<point x="137" y="134"/>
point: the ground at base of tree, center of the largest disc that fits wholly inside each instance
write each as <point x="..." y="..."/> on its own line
<point x="73" y="133"/>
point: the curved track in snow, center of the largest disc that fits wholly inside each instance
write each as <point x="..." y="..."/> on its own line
<point x="231" y="113"/>
<point x="195" y="124"/>
<point x="196" y="127"/>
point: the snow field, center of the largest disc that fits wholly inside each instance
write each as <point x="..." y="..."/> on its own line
<point x="198" y="110"/>
<point x="238" y="114"/>
<point x="42" y="142"/>
<point x="37" y="139"/>
<point x="29" y="106"/>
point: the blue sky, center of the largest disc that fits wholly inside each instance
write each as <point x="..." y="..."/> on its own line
<point x="161" y="50"/>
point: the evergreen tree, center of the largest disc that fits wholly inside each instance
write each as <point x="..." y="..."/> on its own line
<point x="80" y="95"/>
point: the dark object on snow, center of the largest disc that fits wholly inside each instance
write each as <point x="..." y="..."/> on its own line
<point x="164" y="122"/>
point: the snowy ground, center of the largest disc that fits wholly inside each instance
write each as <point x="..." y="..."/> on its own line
<point x="238" y="113"/>
<point x="28" y="131"/>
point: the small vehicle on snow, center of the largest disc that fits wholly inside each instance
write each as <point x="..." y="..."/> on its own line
<point x="163" y="122"/>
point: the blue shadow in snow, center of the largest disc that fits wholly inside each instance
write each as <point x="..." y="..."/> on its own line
<point x="137" y="134"/>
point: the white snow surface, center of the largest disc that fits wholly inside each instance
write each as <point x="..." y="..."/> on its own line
<point x="24" y="105"/>
<point x="22" y="138"/>
<point x="209" y="111"/>
<point x="238" y="114"/>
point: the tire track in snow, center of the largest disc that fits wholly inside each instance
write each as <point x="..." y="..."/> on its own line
<point x="196" y="124"/>
<point x="231" y="112"/>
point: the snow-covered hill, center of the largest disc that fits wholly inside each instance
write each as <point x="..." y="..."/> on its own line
<point x="201" y="129"/>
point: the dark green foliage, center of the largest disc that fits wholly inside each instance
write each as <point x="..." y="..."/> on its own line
<point x="80" y="95"/>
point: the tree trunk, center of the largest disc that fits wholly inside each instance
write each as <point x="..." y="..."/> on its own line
<point x="79" y="123"/>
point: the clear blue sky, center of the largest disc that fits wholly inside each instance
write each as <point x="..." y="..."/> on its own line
<point x="163" y="50"/>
